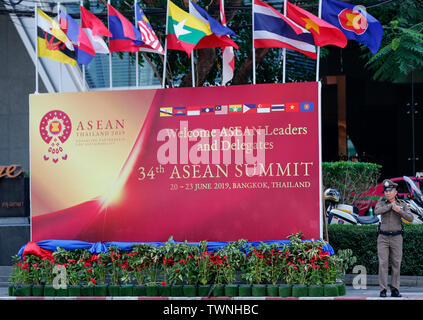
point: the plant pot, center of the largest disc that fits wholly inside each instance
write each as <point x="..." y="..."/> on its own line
<point x="315" y="290"/>
<point x="61" y="292"/>
<point x="258" y="290"/>
<point x="126" y="290"/>
<point x="100" y="290"/>
<point x="152" y="291"/>
<point x="10" y="290"/>
<point x="49" y="291"/>
<point x="114" y="290"/>
<point x="177" y="290"/>
<point x="74" y="291"/>
<point x="23" y="291"/>
<point x="272" y="290"/>
<point x="87" y="291"/>
<point x="218" y="290"/>
<point x="190" y="290"/>
<point x="38" y="291"/>
<point x="204" y="290"/>
<point x="139" y="290"/>
<point x="285" y="290"/>
<point x="165" y="291"/>
<point x="244" y="290"/>
<point x="342" y="289"/>
<point x="231" y="290"/>
<point x="299" y="290"/>
<point x="330" y="290"/>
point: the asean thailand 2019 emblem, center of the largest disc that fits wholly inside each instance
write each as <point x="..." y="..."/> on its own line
<point x="55" y="129"/>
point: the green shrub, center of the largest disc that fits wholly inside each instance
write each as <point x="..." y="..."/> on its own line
<point x="350" y="178"/>
<point x="362" y="240"/>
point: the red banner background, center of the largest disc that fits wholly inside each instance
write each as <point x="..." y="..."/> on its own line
<point x="170" y="185"/>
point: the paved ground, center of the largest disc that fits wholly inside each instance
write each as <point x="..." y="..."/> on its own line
<point x="371" y="293"/>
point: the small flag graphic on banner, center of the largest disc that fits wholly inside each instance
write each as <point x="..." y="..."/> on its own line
<point x="306" y="106"/>
<point x="179" y="111"/>
<point x="292" y="107"/>
<point x="207" y="110"/>
<point x="235" y="108"/>
<point x="166" y="112"/>
<point x="277" y="107"/>
<point x="263" y="108"/>
<point x="221" y="110"/>
<point x="249" y="108"/>
<point x="193" y="111"/>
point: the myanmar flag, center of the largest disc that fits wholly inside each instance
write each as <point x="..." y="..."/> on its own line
<point x="184" y="30"/>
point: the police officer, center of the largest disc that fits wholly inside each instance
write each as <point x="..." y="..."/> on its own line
<point x="390" y="231"/>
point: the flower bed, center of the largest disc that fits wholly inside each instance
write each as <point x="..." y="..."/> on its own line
<point x="237" y="268"/>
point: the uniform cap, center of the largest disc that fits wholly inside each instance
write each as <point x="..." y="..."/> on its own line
<point x="389" y="185"/>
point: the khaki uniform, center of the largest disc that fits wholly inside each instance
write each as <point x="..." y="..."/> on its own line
<point x="390" y="245"/>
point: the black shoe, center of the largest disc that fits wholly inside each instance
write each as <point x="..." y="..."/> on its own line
<point x="383" y="293"/>
<point x="395" y="293"/>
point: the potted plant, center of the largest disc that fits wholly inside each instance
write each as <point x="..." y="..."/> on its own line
<point x="126" y="288"/>
<point x="207" y="264"/>
<point x="152" y="270"/>
<point x="114" y="270"/>
<point x="256" y="272"/>
<point x="100" y="271"/>
<point x="138" y="262"/>
<point x="20" y="278"/>
<point x="273" y="274"/>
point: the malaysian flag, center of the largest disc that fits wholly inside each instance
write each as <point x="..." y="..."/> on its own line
<point x="151" y="42"/>
<point x="273" y="30"/>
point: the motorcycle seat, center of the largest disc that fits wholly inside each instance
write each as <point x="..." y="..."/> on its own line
<point x="367" y="219"/>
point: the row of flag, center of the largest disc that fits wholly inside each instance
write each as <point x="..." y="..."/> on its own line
<point x="236" y="109"/>
<point x="297" y="29"/>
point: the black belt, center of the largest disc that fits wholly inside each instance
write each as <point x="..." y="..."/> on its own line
<point x="390" y="233"/>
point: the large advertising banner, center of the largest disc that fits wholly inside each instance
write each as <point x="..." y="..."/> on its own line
<point x="208" y="163"/>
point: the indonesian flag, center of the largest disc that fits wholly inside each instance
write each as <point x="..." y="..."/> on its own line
<point x="228" y="63"/>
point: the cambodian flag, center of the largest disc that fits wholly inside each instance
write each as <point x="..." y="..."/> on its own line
<point x="125" y="36"/>
<point x="82" y="44"/>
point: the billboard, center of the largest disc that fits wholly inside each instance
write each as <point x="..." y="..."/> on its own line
<point x="208" y="163"/>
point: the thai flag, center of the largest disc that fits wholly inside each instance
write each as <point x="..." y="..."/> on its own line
<point x="82" y="44"/>
<point x="125" y="37"/>
<point x="151" y="42"/>
<point x="273" y="30"/>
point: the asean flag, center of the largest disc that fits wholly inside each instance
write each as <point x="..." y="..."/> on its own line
<point x="354" y="22"/>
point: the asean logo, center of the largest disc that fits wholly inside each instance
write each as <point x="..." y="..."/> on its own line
<point x="55" y="129"/>
<point x="354" y="20"/>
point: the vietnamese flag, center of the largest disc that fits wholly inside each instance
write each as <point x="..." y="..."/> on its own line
<point x="184" y="30"/>
<point x="323" y="32"/>
<point x="292" y="107"/>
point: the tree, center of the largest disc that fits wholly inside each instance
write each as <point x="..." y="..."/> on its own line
<point x="401" y="50"/>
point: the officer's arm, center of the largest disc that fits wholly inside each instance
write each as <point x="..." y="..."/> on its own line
<point x="382" y="207"/>
<point x="405" y="212"/>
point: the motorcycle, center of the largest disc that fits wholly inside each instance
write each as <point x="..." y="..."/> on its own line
<point x="414" y="201"/>
<point x="338" y="213"/>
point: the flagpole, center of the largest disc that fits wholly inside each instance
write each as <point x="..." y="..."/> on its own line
<point x="254" y="49"/>
<point x="60" y="65"/>
<point x="36" y="47"/>
<point x="165" y="57"/>
<point x="318" y="48"/>
<point x="284" y="49"/>
<point x="110" y="53"/>
<point x="136" y="53"/>
<point x="83" y="66"/>
<point x="192" y="69"/>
